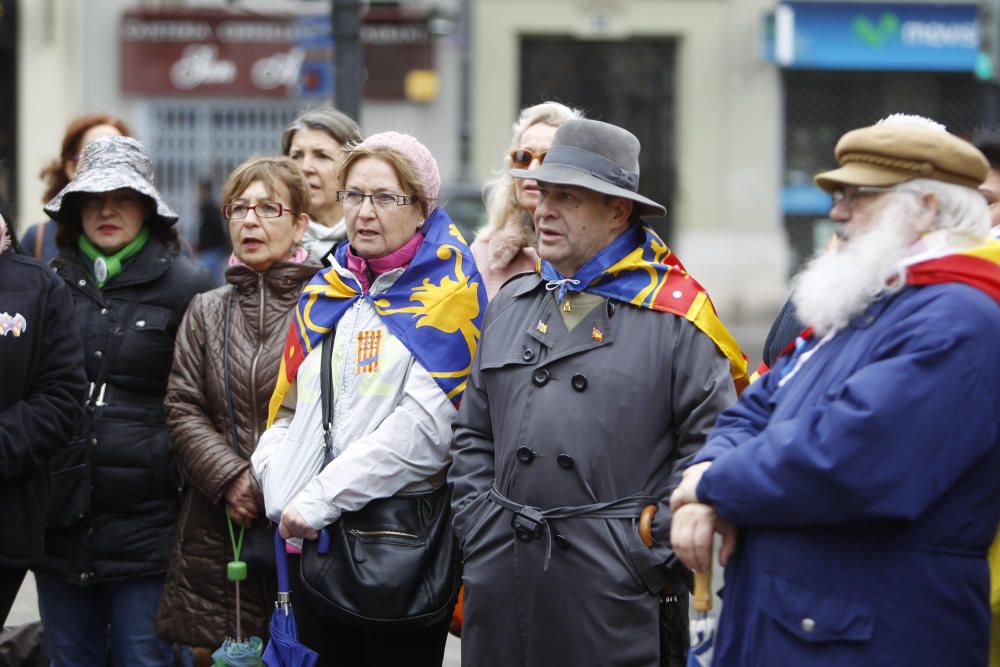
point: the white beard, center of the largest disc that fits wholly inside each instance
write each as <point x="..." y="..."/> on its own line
<point x="839" y="285"/>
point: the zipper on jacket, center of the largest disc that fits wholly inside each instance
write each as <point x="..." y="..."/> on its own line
<point x="256" y="357"/>
<point x="357" y="545"/>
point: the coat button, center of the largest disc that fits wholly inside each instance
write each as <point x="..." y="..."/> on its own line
<point x="140" y="323"/>
<point x="528" y="354"/>
<point x="579" y="382"/>
<point x="565" y="461"/>
<point x="808" y="625"/>
<point x="81" y="283"/>
<point x="98" y="354"/>
<point x="104" y="311"/>
<point x="540" y="377"/>
<point x="525" y="455"/>
<point x="561" y="541"/>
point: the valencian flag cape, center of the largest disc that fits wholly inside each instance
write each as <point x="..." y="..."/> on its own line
<point x="435" y="309"/>
<point x="638" y="268"/>
<point x="978" y="266"/>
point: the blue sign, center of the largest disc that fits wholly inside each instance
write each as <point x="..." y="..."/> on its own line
<point x="314" y="43"/>
<point x="873" y="36"/>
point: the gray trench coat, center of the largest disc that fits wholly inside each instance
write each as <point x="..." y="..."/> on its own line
<point x="564" y="419"/>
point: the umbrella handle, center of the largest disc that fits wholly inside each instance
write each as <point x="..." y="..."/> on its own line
<point x="646" y="525"/>
<point x="703" y="589"/>
<point x="281" y="563"/>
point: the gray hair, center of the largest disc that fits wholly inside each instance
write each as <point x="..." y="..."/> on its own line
<point x="499" y="192"/>
<point x="336" y="123"/>
<point x="962" y="209"/>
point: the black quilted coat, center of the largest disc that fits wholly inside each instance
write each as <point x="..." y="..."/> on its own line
<point x="136" y="486"/>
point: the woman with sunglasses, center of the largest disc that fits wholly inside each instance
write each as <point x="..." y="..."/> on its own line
<point x="505" y="246"/>
<point x="227" y="356"/>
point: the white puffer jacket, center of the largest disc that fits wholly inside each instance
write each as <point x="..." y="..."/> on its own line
<point x="391" y="423"/>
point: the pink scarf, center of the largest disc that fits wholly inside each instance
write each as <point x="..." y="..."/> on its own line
<point x="396" y="259"/>
<point x="298" y="256"/>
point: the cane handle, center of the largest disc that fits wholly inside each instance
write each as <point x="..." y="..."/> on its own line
<point x="703" y="589"/>
<point x="646" y="525"/>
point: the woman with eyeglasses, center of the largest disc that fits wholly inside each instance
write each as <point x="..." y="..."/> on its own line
<point x="505" y="246"/>
<point x="401" y="305"/>
<point x="225" y="362"/>
<point x="116" y="501"/>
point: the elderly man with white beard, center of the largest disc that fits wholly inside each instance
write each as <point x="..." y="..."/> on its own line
<point x="855" y="485"/>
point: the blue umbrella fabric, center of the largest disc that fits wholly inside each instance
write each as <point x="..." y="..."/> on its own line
<point x="284" y="648"/>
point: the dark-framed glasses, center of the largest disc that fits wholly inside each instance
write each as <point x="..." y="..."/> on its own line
<point x="264" y="209"/>
<point x="521" y="158"/>
<point x="378" y="199"/>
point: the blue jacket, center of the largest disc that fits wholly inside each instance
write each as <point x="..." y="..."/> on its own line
<point x="867" y="491"/>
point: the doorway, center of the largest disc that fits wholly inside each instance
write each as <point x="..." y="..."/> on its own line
<point x="627" y="83"/>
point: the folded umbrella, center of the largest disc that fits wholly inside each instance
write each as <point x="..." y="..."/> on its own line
<point x="238" y="652"/>
<point x="284" y="648"/>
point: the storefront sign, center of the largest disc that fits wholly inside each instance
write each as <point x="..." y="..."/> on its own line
<point x="230" y="53"/>
<point x="873" y="36"/>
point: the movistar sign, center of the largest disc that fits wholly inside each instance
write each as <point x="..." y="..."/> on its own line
<point x="874" y="36"/>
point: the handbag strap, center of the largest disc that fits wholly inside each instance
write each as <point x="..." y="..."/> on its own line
<point x="225" y="373"/>
<point x="114" y="345"/>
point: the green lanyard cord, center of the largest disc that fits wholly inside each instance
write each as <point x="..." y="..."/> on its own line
<point x="237" y="546"/>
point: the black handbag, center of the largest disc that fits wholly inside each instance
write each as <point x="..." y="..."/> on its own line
<point x="70" y="468"/>
<point x="393" y="564"/>
<point x="258" y="540"/>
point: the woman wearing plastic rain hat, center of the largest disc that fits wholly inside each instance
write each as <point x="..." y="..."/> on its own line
<point x="100" y="582"/>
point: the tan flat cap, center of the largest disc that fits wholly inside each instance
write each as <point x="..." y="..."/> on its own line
<point x="891" y="153"/>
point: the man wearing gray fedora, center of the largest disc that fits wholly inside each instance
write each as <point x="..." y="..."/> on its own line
<point x="597" y="377"/>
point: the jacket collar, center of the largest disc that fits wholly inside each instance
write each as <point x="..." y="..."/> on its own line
<point x="152" y="262"/>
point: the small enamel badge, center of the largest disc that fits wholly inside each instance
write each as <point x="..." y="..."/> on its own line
<point x="369" y="351"/>
<point x="597" y="334"/>
<point x="541" y="327"/>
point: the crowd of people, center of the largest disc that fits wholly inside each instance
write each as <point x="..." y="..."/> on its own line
<point x="553" y="417"/>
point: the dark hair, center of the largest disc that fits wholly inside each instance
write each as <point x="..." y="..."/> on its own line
<point x="336" y="123"/>
<point x="54" y="174"/>
<point x="988" y="141"/>
<point x="71" y="226"/>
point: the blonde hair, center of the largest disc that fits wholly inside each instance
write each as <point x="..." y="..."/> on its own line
<point x="500" y="195"/>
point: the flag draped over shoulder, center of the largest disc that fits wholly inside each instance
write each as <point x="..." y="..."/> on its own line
<point x="638" y="268"/>
<point x="435" y="309"/>
<point x="978" y="266"/>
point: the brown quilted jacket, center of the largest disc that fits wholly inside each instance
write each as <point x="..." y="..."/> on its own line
<point x="199" y="605"/>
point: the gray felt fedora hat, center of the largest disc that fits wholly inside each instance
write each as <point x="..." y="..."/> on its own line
<point x="110" y="163"/>
<point x="597" y="156"/>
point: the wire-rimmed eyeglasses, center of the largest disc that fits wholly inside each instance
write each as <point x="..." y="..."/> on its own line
<point x="378" y="199"/>
<point x="852" y="195"/>
<point x="264" y="209"/>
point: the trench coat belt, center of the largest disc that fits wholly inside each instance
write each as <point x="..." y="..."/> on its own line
<point x="531" y="522"/>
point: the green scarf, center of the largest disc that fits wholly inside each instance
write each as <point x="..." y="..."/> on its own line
<point x="105" y="267"/>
